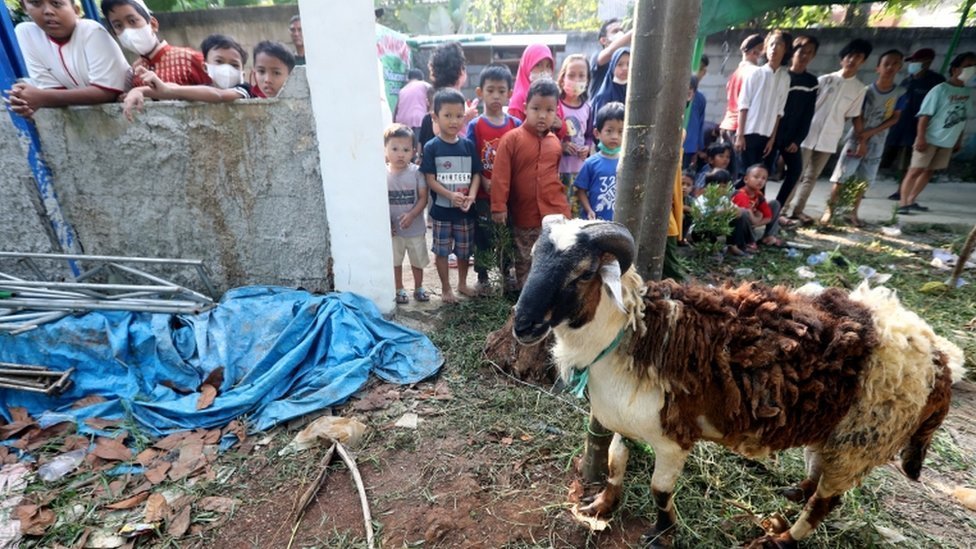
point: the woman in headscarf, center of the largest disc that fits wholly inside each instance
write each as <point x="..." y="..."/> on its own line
<point x="614" y="87"/>
<point x="537" y="62"/>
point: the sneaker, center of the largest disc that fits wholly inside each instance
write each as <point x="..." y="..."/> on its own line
<point x="895" y="195"/>
<point x="905" y="210"/>
<point x="918" y="207"/>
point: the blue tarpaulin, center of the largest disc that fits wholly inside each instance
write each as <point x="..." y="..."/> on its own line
<point x="284" y="353"/>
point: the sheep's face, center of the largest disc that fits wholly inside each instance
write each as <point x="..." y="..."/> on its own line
<point x="571" y="265"/>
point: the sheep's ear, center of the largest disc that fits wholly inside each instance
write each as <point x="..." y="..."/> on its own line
<point x="610" y="273"/>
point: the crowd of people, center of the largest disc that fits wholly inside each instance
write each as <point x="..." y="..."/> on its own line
<point x="547" y="141"/>
<point x="76" y="61"/>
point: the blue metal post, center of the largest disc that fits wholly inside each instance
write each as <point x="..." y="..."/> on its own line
<point x="91" y="9"/>
<point x="12" y="67"/>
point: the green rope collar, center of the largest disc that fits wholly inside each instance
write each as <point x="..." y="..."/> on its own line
<point x="582" y="376"/>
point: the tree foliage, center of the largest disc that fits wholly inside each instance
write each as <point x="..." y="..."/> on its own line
<point x="494" y="16"/>
<point x="857" y="14"/>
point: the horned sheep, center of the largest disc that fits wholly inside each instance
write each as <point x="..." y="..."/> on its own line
<point x="853" y="378"/>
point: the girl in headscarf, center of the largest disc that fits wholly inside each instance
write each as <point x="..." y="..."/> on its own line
<point x="614" y="87"/>
<point x="537" y="62"/>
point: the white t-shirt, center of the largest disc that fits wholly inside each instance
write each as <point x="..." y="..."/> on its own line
<point x="838" y="99"/>
<point x="90" y="57"/>
<point x="764" y="94"/>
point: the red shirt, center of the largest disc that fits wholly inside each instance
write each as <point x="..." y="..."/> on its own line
<point x="486" y="137"/>
<point x="732" y="88"/>
<point x="525" y="180"/>
<point x="175" y="65"/>
<point x="758" y="202"/>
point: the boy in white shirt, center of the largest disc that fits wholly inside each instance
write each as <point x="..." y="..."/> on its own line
<point x="761" y="102"/>
<point x="840" y="96"/>
<point x="71" y="61"/>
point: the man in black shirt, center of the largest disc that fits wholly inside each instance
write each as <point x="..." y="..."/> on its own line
<point x="612" y="38"/>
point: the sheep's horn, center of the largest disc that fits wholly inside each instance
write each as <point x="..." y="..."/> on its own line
<point x="615" y="239"/>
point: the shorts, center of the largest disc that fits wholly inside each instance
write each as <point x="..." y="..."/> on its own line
<point x="934" y="158"/>
<point x="415" y="247"/>
<point x="453" y="237"/>
<point x="865" y="167"/>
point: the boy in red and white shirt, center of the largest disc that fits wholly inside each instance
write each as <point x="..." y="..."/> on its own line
<point x="755" y="212"/>
<point x="135" y="27"/>
<point x="71" y="61"/>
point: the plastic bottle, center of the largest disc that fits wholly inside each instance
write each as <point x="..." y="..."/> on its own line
<point x="62" y="465"/>
<point x="817" y="259"/>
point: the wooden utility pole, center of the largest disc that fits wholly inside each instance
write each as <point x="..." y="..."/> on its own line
<point x="660" y="69"/>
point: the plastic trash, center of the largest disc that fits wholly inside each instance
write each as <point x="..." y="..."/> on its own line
<point x="881" y="278"/>
<point x="866" y="272"/>
<point x="792" y="253"/>
<point x="348" y="431"/>
<point x="60" y="466"/>
<point x="891" y="231"/>
<point x="743" y="271"/>
<point x="805" y="272"/>
<point x="817" y="259"/>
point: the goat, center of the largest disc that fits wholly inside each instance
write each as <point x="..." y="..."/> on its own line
<point x="853" y="378"/>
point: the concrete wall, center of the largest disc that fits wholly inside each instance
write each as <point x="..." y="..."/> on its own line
<point x="247" y="25"/>
<point x="236" y="185"/>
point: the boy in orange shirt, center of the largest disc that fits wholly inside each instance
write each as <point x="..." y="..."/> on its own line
<point x="525" y="178"/>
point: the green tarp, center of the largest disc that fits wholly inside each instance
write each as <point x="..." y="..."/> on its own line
<point x="718" y="15"/>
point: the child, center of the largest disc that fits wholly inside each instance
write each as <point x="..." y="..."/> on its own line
<point x="761" y="102"/>
<point x="447" y="70"/>
<point x="408" y="197"/>
<point x="596" y="184"/>
<point x="756" y="212"/>
<point x="941" y="121"/>
<point x="575" y="114"/>
<point x="839" y="97"/>
<point x="718" y="155"/>
<point x="225" y="64"/>
<point x="70" y="61"/>
<point x="861" y="155"/>
<point x="413" y="101"/>
<point x="452" y="168"/>
<point x="486" y="132"/>
<point x="751" y="48"/>
<point x="687" y="200"/>
<point x="273" y="64"/>
<point x="136" y="28"/>
<point x="537" y="62"/>
<point x="525" y="184"/>
<point x="614" y="87"/>
<point x="797" y="114"/>
<point x="695" y="138"/>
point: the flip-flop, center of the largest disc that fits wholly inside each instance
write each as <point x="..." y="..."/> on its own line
<point x="420" y="294"/>
<point x="402" y="296"/>
<point x="773" y="242"/>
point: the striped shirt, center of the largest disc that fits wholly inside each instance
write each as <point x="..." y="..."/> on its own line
<point x="175" y="65"/>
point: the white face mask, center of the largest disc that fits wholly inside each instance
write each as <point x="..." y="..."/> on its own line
<point x="225" y="76"/>
<point x="967" y="74"/>
<point x="141" y="41"/>
<point x="914" y="67"/>
<point x="536" y="74"/>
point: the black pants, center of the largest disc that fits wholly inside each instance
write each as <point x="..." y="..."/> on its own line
<point x="793" y="167"/>
<point x="755" y="145"/>
<point x="735" y="162"/>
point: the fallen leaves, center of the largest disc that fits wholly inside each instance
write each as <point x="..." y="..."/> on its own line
<point x="111" y="449"/>
<point x="156" y="508"/>
<point x="966" y="496"/>
<point x="180" y="523"/>
<point x="207" y="395"/>
<point x="129" y="502"/>
<point x="34" y="519"/>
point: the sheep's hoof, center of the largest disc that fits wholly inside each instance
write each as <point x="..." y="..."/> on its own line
<point x="794" y="494"/>
<point x="656" y="539"/>
<point x="602" y="504"/>
<point x="778" y="541"/>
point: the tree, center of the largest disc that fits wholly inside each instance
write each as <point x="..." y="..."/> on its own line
<point x="479" y="16"/>
<point x="857" y="14"/>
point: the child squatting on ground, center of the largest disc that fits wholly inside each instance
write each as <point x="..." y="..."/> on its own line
<point x="756" y="212"/>
<point x="453" y="171"/>
<point x="407" y="190"/>
<point x="486" y="132"/>
<point x="596" y="184"/>
<point x="71" y="61"/>
<point x="525" y="184"/>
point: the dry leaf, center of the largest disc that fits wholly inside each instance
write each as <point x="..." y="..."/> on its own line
<point x="190" y="461"/>
<point x="130" y="502"/>
<point x="111" y="449"/>
<point x="176" y="388"/>
<point x="156" y="508"/>
<point x="966" y="496"/>
<point x="507" y="441"/>
<point x="215" y="378"/>
<point x="217" y="503"/>
<point x="212" y="436"/>
<point x="34" y="520"/>
<point x="237" y="429"/>
<point x="19" y="414"/>
<point x="74" y="442"/>
<point x="147" y="456"/>
<point x="116" y="487"/>
<point x="348" y="431"/>
<point x="180" y="523"/>
<point x="172" y="441"/>
<point x="157" y="474"/>
<point x="87" y="401"/>
<point x="101" y="424"/>
<point x="207" y="395"/>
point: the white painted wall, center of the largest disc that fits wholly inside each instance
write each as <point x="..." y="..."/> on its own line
<point x="341" y="55"/>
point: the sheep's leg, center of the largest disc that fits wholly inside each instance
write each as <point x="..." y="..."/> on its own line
<point x="808" y="486"/>
<point x="669" y="460"/>
<point x="604" y="502"/>
<point x="816" y="509"/>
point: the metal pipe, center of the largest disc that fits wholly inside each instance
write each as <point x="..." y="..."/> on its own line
<point x="96" y="286"/>
<point x="157" y="280"/>
<point x="77" y="304"/>
<point x="111" y="258"/>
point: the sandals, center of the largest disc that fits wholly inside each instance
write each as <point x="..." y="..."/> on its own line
<point x="773" y="242"/>
<point x="420" y="294"/>
<point x="402" y="296"/>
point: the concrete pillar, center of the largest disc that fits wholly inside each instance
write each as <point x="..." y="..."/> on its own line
<point x="340" y="48"/>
